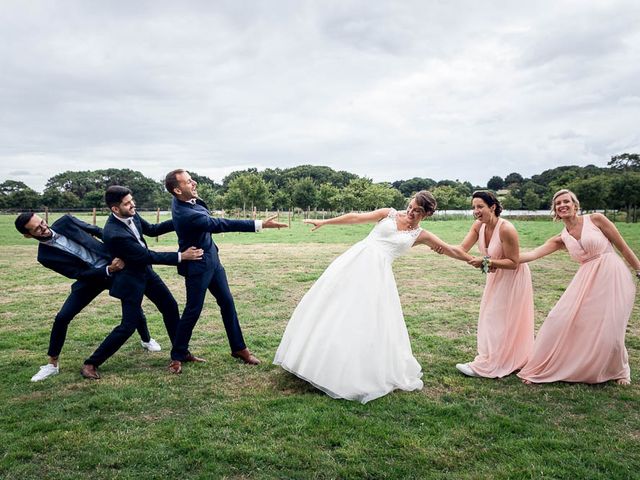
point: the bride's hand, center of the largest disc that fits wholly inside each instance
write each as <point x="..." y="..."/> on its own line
<point x="316" y="223"/>
<point x="475" y="262"/>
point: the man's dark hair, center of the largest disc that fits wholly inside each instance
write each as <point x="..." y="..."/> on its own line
<point x="114" y="195"/>
<point x="22" y="220"/>
<point x="171" y="182"/>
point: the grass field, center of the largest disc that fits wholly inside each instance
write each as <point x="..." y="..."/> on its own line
<point x="223" y="419"/>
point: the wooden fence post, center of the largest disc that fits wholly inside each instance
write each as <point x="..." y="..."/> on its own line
<point x="94" y="215"/>
<point x="46" y="215"/>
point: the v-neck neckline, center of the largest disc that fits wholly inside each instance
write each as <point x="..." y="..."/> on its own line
<point x="484" y="235"/>
<point x="578" y="240"/>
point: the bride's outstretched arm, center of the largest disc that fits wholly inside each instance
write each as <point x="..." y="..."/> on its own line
<point x="350" y="218"/>
<point x="432" y="241"/>
<point x="552" y="245"/>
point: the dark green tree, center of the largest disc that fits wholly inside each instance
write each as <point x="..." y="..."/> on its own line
<point x="304" y="193"/>
<point x="495" y="183"/>
<point x="625" y="162"/>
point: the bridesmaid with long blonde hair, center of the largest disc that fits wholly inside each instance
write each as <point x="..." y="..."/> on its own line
<point x="582" y="338"/>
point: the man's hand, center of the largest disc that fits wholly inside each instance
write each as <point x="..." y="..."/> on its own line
<point x="271" y="223"/>
<point x="192" y="253"/>
<point x="116" y="265"/>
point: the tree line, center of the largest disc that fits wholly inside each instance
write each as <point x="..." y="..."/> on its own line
<point x="615" y="187"/>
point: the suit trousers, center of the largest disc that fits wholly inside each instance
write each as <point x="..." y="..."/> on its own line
<point x="214" y="280"/>
<point x="82" y="294"/>
<point x="133" y="317"/>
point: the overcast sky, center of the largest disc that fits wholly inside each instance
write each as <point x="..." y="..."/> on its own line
<point x="389" y="90"/>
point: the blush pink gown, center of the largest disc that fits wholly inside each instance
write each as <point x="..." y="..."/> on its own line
<point x="582" y="338"/>
<point x="505" y="324"/>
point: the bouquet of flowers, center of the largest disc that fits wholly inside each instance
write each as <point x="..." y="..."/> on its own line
<point x="486" y="264"/>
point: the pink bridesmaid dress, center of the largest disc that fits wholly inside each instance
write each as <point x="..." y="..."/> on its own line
<point x="582" y="338"/>
<point x="505" y="324"/>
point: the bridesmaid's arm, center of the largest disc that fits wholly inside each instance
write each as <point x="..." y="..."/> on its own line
<point x="613" y="235"/>
<point x="351" y="218"/>
<point x="471" y="237"/>
<point x="552" y="245"/>
<point x="431" y="240"/>
<point x="469" y="240"/>
<point x="510" y="248"/>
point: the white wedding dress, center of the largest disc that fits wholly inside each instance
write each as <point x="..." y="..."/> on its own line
<point x="347" y="335"/>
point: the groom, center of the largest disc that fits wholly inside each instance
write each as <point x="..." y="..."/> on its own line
<point x="194" y="226"/>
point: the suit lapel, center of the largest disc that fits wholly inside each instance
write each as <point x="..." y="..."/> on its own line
<point x="138" y="224"/>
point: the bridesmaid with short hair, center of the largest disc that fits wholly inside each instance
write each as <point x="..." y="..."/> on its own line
<point x="582" y="338"/>
<point x="505" y="322"/>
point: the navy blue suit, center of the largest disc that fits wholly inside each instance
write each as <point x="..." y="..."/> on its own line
<point x="135" y="280"/>
<point x="194" y="226"/>
<point x="90" y="281"/>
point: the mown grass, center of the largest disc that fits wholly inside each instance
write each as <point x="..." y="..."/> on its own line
<point x="227" y="420"/>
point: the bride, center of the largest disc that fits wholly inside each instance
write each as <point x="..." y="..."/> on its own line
<point x="347" y="336"/>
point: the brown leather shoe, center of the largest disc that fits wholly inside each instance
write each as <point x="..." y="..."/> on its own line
<point x="246" y="356"/>
<point x="192" y="358"/>
<point x="175" y="366"/>
<point x="89" y="371"/>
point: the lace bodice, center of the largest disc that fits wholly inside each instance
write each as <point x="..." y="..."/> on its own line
<point x="591" y="245"/>
<point x="393" y="242"/>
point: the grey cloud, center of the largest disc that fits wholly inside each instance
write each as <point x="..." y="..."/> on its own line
<point x="465" y="90"/>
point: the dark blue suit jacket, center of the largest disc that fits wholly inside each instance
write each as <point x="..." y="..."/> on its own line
<point x="68" y="264"/>
<point x="131" y="281"/>
<point x="194" y="226"/>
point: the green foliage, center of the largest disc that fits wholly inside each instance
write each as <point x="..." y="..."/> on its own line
<point x="531" y="200"/>
<point x="81" y="183"/>
<point x="512" y="179"/>
<point x="248" y="190"/>
<point x="328" y="197"/>
<point x="495" y="183"/>
<point x="93" y="199"/>
<point x="310" y="187"/>
<point x="625" y="193"/>
<point x="509" y="202"/>
<point x="18" y="195"/>
<point x="625" y="161"/>
<point x="304" y="193"/>
<point x="450" y="198"/>
<point x="209" y="195"/>
<point x="413" y="185"/>
<point x="593" y="192"/>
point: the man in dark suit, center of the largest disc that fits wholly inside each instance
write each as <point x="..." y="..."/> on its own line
<point x="194" y="226"/>
<point x="70" y="248"/>
<point x="123" y="236"/>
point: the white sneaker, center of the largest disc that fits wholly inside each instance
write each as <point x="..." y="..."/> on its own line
<point x="45" y="371"/>
<point x="466" y="369"/>
<point x="151" y="345"/>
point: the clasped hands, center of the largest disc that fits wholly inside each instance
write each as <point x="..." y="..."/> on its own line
<point x="475" y="262"/>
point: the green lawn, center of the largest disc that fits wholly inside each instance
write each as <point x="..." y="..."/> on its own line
<point x="226" y="420"/>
